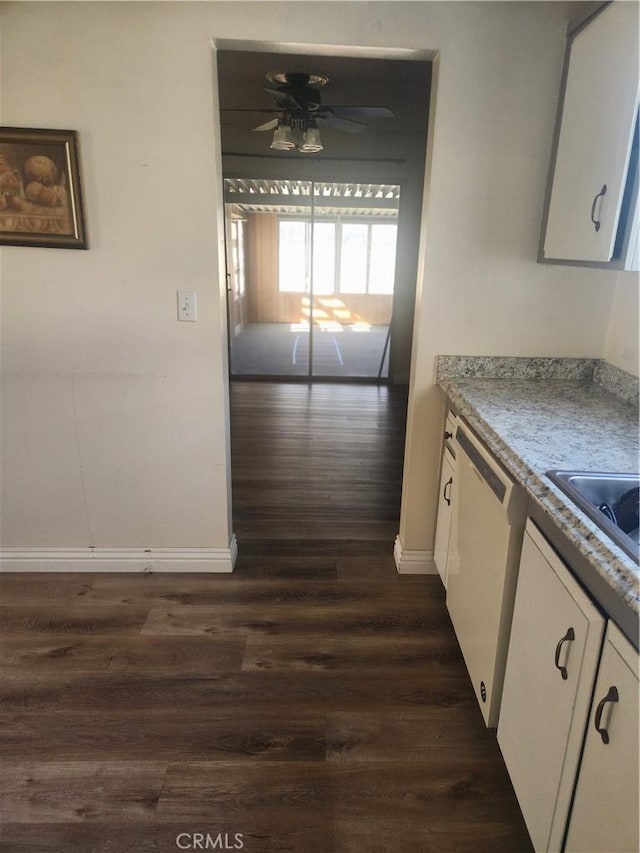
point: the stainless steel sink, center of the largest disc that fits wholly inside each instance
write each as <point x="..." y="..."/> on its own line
<point x="598" y="495"/>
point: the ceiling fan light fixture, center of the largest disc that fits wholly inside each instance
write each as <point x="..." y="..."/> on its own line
<point x="311" y="141"/>
<point x="283" y="138"/>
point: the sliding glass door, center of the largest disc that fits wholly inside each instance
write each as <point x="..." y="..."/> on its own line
<point x="270" y="336"/>
<point x="354" y="262"/>
<point x="319" y="269"/>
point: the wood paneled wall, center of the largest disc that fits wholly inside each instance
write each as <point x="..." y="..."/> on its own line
<point x="267" y="305"/>
<point x="262" y="267"/>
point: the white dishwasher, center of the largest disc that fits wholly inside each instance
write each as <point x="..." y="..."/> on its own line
<point x="487" y="524"/>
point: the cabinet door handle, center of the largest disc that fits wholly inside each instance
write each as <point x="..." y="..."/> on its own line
<point x="612" y="696"/>
<point x="568" y="637"/>
<point x="444" y="491"/>
<point x="596" y="222"/>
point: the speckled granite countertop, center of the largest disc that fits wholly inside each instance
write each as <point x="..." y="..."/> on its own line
<point x="533" y="421"/>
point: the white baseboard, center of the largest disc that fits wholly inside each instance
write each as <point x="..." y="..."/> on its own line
<point x="413" y="562"/>
<point x="148" y="560"/>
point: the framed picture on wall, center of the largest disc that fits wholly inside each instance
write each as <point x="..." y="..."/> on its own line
<point x="40" y="194"/>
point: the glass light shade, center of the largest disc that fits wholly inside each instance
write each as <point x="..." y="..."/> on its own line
<point x="311" y="141"/>
<point x="283" y="138"/>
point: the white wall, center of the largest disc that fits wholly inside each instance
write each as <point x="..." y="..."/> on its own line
<point x="115" y="415"/>
<point x="621" y="347"/>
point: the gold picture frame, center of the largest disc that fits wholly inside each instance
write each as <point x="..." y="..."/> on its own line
<point x="40" y="193"/>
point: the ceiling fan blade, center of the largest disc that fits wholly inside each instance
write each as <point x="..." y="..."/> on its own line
<point x="362" y="112"/>
<point x="284" y="99"/>
<point x="268" y="125"/>
<point x="329" y="119"/>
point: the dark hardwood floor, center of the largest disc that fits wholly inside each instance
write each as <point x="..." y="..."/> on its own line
<point x="316" y="468"/>
<point x="314" y="701"/>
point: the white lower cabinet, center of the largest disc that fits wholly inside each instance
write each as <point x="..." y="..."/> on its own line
<point x="604" y="818"/>
<point x="441" y="547"/>
<point x="555" y="642"/>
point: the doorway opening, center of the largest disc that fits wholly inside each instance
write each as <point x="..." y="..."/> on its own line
<point x="311" y="272"/>
<point x="331" y="312"/>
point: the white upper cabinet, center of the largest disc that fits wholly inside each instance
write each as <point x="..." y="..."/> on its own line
<point x="595" y="139"/>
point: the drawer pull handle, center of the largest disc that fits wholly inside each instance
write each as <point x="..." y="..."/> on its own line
<point x="612" y="696"/>
<point x="596" y="222"/>
<point x="444" y="491"/>
<point x="568" y="638"/>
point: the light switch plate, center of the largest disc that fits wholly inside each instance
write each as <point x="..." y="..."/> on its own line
<point x="187" y="306"/>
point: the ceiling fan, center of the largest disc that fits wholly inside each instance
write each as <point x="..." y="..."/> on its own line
<point x="301" y="114"/>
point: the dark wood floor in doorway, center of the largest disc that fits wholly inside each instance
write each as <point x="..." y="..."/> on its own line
<point x="313" y="701"/>
<point x="317" y="469"/>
